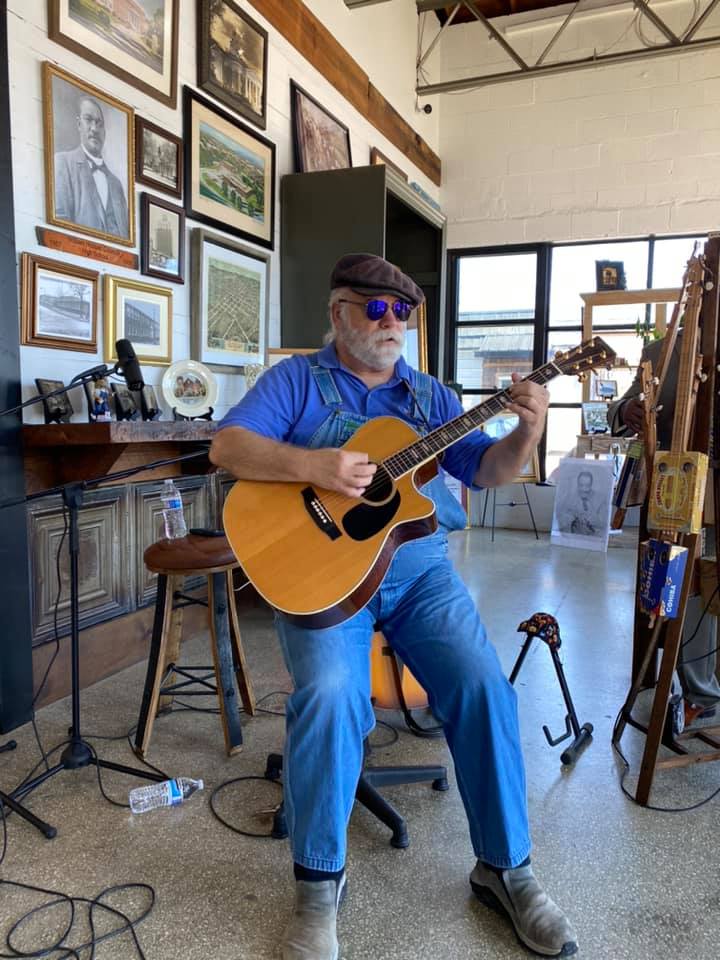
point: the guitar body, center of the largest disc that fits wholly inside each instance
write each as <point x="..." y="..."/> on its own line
<point x="317" y="555"/>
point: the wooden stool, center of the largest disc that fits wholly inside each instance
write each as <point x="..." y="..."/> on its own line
<point x="173" y="561"/>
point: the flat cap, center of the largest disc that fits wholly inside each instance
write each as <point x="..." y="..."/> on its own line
<point x="368" y="273"/>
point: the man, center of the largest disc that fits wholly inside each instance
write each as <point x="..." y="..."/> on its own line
<point x="696" y="666"/>
<point x="86" y="192"/>
<point x="585" y="513"/>
<point x="289" y="428"/>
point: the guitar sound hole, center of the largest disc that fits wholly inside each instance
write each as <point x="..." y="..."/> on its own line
<point x="380" y="487"/>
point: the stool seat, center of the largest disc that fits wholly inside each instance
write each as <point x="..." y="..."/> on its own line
<point x="193" y="552"/>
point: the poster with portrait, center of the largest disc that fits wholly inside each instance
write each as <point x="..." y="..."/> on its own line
<point x="89" y="159"/>
<point x="583" y="502"/>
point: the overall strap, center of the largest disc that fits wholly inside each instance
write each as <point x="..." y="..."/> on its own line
<point x="325" y="382"/>
<point x="424" y="391"/>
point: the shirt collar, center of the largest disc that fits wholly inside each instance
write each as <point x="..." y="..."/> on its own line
<point x="94" y="161"/>
<point x="328" y="358"/>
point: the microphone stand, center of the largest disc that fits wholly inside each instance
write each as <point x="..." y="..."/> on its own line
<point x="78" y="753"/>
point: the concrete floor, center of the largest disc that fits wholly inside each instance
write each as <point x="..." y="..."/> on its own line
<point x="637" y="884"/>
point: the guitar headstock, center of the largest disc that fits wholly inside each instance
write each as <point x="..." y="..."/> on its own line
<point x="589" y="355"/>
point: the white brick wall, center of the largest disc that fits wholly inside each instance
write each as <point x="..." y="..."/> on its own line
<point x="609" y="151"/>
<point x="381" y="38"/>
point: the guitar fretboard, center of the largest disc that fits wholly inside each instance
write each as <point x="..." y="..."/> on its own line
<point x="438" y="440"/>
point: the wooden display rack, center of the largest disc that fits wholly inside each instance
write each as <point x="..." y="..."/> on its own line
<point x="696" y="417"/>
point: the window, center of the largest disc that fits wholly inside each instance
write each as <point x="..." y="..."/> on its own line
<point x="513" y="308"/>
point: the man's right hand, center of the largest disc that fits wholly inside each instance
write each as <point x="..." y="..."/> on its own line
<point x="633" y="416"/>
<point x="345" y="471"/>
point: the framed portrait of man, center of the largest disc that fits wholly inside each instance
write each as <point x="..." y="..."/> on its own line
<point x="232" y="58"/>
<point x="583" y="503"/>
<point x="135" y="40"/>
<point x="89" y="153"/>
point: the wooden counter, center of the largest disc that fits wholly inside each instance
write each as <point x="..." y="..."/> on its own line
<point x="58" y="453"/>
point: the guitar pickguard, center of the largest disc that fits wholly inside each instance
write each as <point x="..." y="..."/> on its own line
<point x="365" y="520"/>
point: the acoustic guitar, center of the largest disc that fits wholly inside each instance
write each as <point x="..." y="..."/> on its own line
<point x="319" y="556"/>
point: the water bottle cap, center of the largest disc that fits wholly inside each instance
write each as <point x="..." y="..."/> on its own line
<point x="201" y="785"/>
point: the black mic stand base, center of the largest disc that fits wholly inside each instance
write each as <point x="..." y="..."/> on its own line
<point x="12" y="804"/>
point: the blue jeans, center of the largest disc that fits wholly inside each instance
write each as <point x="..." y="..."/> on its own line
<point x="429" y="618"/>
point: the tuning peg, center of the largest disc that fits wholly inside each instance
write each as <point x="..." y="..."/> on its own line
<point x="582" y="377"/>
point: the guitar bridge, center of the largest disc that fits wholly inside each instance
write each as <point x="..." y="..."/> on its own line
<point x="319" y="514"/>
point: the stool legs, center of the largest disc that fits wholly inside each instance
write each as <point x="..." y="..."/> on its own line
<point x="247" y="695"/>
<point x="220" y="616"/>
<point x="162" y="628"/>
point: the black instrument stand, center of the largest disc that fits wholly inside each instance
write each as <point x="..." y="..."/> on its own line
<point x="79" y="753"/>
<point x="545" y="627"/>
<point x="11" y="804"/>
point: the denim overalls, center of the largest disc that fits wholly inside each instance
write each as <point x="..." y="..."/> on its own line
<point x="429" y="618"/>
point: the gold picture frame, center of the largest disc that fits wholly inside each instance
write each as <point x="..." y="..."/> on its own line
<point x="80" y="120"/>
<point x="142" y="313"/>
<point x="415" y="349"/>
<point x="500" y="426"/>
<point x="59" y="303"/>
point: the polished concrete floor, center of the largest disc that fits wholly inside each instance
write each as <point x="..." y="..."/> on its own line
<point x="637" y="883"/>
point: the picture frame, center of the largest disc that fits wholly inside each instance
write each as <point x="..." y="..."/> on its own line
<point x="162" y="239"/>
<point x="232" y="52"/>
<point x="58" y="409"/>
<point x="59" y="304"/>
<point x="594" y="417"/>
<point x="81" y="121"/>
<point x="378" y="158"/>
<point x="229" y="172"/>
<point x="610" y="275"/>
<point x="224" y="273"/>
<point x="500" y="426"/>
<point x="137" y="42"/>
<point x="142" y="313"/>
<point x="158" y="158"/>
<point x="415" y="348"/>
<point x="99" y="401"/>
<point x="124" y="402"/>
<point x="320" y="140"/>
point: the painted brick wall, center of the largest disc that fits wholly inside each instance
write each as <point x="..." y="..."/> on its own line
<point x="381" y="38"/>
<point x="611" y="151"/>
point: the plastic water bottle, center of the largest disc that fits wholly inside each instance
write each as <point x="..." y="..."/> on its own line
<point x="173" y="511"/>
<point x="165" y="794"/>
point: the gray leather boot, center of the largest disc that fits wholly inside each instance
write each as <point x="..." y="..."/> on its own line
<point x="310" y="935"/>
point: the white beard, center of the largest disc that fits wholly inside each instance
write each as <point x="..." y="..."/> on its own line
<point x="380" y="350"/>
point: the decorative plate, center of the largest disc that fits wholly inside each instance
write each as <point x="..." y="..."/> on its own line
<point x="190" y="387"/>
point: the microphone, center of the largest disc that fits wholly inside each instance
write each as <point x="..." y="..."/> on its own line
<point x="128" y="365"/>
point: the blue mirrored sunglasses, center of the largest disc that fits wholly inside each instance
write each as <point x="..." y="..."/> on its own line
<point x="376" y="309"/>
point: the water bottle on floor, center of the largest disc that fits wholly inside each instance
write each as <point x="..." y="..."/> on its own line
<point x="173" y="511"/>
<point x="165" y="794"/>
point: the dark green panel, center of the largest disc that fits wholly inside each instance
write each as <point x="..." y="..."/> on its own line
<point x="323" y="216"/>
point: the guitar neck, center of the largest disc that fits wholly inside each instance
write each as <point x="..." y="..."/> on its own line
<point x="443" y="437"/>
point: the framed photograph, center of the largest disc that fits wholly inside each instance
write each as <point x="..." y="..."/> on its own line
<point x="124" y="402"/>
<point x="162" y="239"/>
<point x="594" y="417"/>
<point x="89" y="176"/>
<point x="232" y="58"/>
<point x="500" y="426"/>
<point x="377" y="158"/>
<point x="59" y="304"/>
<point x="229" y="172"/>
<point x="320" y="140"/>
<point x="139" y="312"/>
<point x="583" y="501"/>
<point x="230" y="284"/>
<point x="158" y="158"/>
<point x="149" y="406"/>
<point x="57" y="409"/>
<point x="415" y="347"/>
<point x="609" y="275"/>
<point x="99" y="401"/>
<point x="135" y="40"/>
<point x="602" y="389"/>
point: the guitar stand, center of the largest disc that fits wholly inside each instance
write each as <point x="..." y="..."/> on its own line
<point x="546" y="628"/>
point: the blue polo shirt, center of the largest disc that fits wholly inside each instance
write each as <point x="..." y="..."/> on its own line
<point x="286" y="405"/>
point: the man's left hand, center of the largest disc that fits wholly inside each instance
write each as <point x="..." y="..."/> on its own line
<point x="530" y="402"/>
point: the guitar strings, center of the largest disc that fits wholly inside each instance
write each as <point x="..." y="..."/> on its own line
<point x="406" y="460"/>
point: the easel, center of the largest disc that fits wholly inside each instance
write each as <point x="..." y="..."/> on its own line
<point x="695" y="419"/>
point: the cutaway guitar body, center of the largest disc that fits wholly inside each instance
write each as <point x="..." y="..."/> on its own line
<point x="319" y="556"/>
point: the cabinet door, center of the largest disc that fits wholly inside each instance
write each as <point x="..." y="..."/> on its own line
<point x="324" y="215"/>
